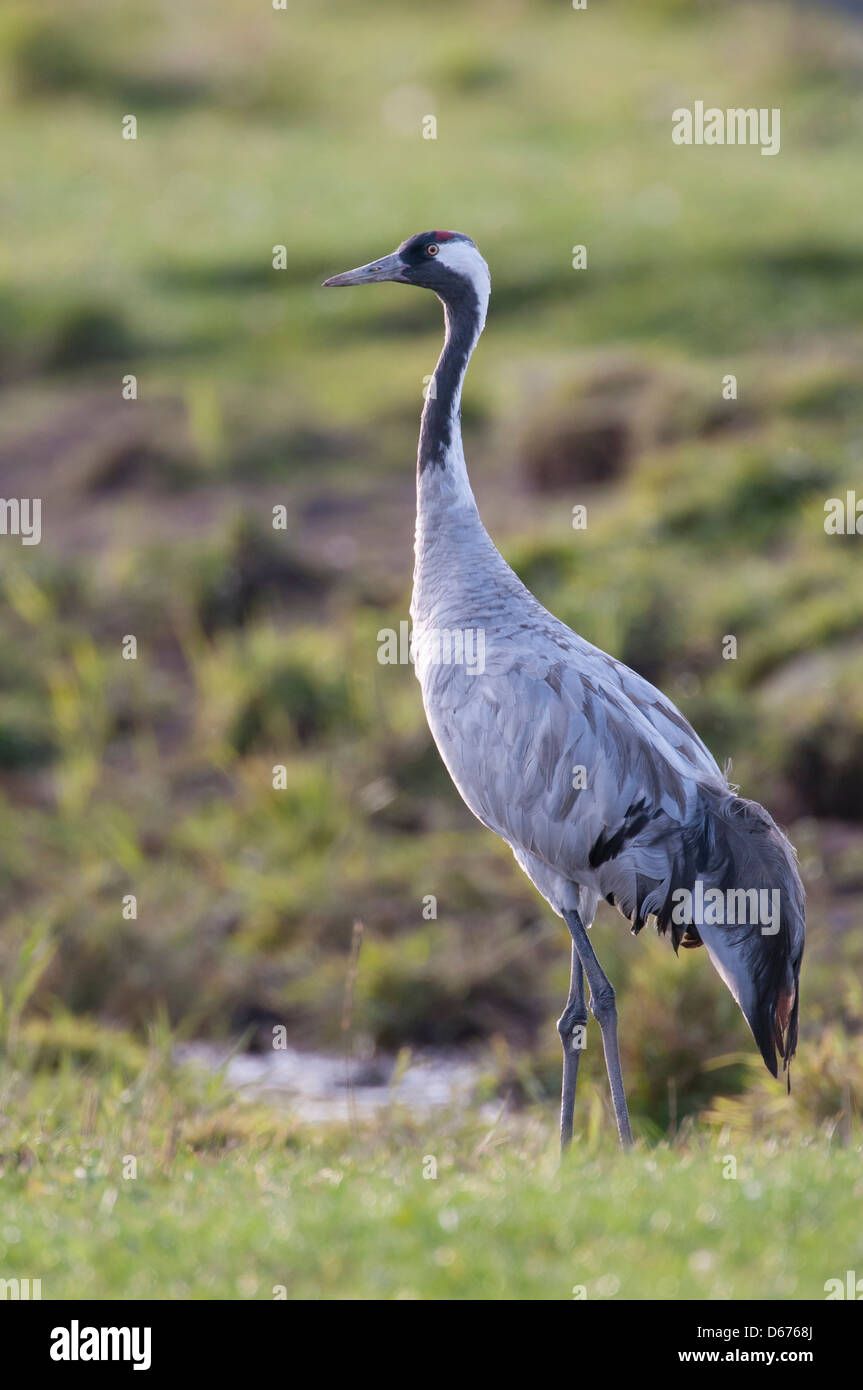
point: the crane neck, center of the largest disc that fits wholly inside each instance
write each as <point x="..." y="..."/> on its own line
<point x="441" y="470"/>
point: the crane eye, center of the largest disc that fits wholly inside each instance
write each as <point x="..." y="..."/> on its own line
<point x="433" y="249"/>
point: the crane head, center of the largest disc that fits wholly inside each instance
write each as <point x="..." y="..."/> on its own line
<point x="446" y="262"/>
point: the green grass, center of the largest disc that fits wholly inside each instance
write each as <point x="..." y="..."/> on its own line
<point x="231" y="1201"/>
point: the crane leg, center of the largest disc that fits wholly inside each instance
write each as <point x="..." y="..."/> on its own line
<point x="571" y="1026"/>
<point x="604" y="1011"/>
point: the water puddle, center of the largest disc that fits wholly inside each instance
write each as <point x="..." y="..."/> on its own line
<point x="314" y="1085"/>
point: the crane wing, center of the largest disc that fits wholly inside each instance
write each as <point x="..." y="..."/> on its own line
<point x="566" y="754"/>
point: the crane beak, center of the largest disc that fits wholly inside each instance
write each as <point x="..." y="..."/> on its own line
<point x="388" y="268"/>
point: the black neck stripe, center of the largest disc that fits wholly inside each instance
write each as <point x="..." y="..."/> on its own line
<point x="463" y="318"/>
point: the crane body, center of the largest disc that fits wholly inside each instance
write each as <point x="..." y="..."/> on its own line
<point x="597" y="782"/>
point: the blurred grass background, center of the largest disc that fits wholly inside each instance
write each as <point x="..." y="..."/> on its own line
<point x="256" y="389"/>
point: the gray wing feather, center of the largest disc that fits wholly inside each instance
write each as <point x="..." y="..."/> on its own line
<point x="513" y="737"/>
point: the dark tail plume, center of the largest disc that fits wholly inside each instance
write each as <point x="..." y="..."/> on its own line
<point x="733" y="845"/>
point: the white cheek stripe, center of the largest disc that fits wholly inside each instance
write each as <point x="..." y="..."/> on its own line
<point x="463" y="258"/>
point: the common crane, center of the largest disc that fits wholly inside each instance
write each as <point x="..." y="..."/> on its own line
<point x="656" y="829"/>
